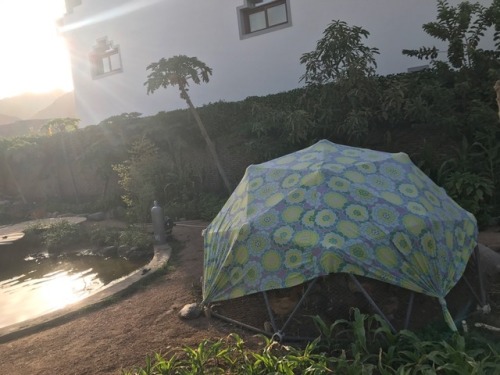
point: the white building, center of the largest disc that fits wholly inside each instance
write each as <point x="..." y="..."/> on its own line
<point x="253" y="46"/>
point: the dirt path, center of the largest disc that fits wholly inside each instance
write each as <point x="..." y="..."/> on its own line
<point x="123" y="333"/>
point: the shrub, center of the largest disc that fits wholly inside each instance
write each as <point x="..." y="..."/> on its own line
<point x="102" y="236"/>
<point x="58" y="235"/>
<point x="135" y="237"/>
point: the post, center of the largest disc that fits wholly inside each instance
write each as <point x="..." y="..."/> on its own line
<point x="158" y="224"/>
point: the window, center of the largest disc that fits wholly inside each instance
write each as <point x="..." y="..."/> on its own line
<point x="105" y="58"/>
<point x="260" y="16"/>
<point x="70" y="4"/>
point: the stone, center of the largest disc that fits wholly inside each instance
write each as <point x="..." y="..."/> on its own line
<point x="123" y="251"/>
<point x="135" y="255"/>
<point x="97" y="216"/>
<point x="190" y="311"/>
<point x="108" y="251"/>
<point x="489" y="261"/>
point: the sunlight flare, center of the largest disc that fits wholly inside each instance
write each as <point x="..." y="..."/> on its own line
<point x="35" y="58"/>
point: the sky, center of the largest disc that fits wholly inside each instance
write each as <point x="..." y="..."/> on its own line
<point x="34" y="57"/>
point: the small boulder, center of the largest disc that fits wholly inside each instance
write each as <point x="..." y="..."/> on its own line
<point x="490" y="262"/>
<point x="108" y="251"/>
<point x="190" y="311"/>
<point x="96" y="216"/>
<point x="123" y="251"/>
<point x="116" y="213"/>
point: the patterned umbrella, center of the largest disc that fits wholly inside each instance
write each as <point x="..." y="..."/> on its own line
<point x="333" y="208"/>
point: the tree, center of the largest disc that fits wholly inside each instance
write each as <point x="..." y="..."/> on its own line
<point x="462" y="27"/>
<point x="340" y="53"/>
<point x="177" y="71"/>
<point x="340" y="78"/>
<point x="141" y="176"/>
<point x="5" y="150"/>
<point x="62" y="126"/>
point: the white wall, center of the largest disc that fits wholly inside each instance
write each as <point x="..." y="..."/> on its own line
<point x="147" y="30"/>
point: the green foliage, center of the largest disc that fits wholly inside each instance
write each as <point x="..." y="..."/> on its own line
<point x="231" y="356"/>
<point x="462" y="27"/>
<point x="339" y="54"/>
<point x="342" y="58"/>
<point x="100" y="235"/>
<point x="371" y="348"/>
<point x="57" y="236"/>
<point x="210" y="205"/>
<point x="470" y="176"/>
<point x="182" y="187"/>
<point x="140" y="177"/>
<point x="293" y="125"/>
<point x="469" y="189"/>
<point x="135" y="237"/>
<point x="132" y="236"/>
<point x="60" y="125"/>
<point x="177" y="71"/>
<point x="124" y="118"/>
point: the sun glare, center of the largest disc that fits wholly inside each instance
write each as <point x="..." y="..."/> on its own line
<point x="35" y="58"/>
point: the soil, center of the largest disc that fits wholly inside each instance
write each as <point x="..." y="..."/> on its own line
<point x="119" y="335"/>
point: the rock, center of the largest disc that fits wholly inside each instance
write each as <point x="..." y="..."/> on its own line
<point x="67" y="214"/>
<point x="116" y="213"/>
<point x="97" y="216"/>
<point x="133" y="253"/>
<point x="108" y="251"/>
<point x="490" y="262"/>
<point x="190" y="311"/>
<point x="123" y="251"/>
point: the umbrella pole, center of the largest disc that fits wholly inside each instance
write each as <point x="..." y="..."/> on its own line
<point x="469" y="285"/>
<point x="241" y="324"/>
<point x="410" y="310"/>
<point x="279" y="333"/>
<point x="269" y="312"/>
<point x="482" y="291"/>
<point x="372" y="302"/>
<point x="481" y="298"/>
<point x="292" y="314"/>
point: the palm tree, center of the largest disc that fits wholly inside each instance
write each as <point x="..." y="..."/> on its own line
<point x="176" y="71"/>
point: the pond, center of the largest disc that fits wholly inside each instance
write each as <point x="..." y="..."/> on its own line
<point x="33" y="284"/>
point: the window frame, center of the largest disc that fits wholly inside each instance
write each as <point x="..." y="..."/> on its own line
<point x="101" y="56"/>
<point x="71" y="4"/>
<point x="252" y="7"/>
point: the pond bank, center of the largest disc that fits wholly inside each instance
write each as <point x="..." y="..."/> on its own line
<point x="160" y="258"/>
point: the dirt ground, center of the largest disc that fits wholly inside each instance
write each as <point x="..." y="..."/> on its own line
<point x="121" y="334"/>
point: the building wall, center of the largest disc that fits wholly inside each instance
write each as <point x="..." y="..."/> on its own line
<point x="147" y="30"/>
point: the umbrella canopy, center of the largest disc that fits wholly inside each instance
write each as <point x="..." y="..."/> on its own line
<point x="333" y="208"/>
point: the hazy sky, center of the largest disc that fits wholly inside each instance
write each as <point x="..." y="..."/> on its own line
<point x="34" y="57"/>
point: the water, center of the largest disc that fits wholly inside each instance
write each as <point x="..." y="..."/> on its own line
<point x="33" y="284"/>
